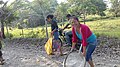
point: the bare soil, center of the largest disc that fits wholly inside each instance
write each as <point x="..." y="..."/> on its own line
<point x="29" y="52"/>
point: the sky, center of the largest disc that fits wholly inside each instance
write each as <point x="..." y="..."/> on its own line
<point x="108" y="3"/>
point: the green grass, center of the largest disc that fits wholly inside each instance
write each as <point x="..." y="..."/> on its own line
<point x="106" y="27"/>
<point x="27" y="33"/>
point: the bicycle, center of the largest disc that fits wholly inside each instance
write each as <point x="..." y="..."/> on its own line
<point x="63" y="39"/>
<point x="64" y="35"/>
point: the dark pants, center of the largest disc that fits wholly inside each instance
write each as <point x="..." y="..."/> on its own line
<point x="56" y="35"/>
<point x="90" y="49"/>
<point x="68" y="37"/>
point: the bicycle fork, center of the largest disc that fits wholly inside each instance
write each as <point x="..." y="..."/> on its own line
<point x="81" y="54"/>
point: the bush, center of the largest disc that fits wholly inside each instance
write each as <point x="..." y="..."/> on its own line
<point x="19" y="26"/>
<point x="97" y="34"/>
<point x="9" y="35"/>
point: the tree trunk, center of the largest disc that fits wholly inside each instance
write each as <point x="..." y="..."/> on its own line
<point x="44" y="15"/>
<point x="32" y="33"/>
<point x="2" y="29"/>
<point x="84" y="15"/>
<point x="22" y="33"/>
<point x="46" y="27"/>
<point x="116" y="14"/>
<point x="7" y="30"/>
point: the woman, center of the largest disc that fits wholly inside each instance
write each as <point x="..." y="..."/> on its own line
<point x="88" y="38"/>
<point x="54" y="32"/>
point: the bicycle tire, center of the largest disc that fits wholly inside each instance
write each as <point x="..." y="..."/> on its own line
<point x="71" y="57"/>
<point x="64" y="62"/>
<point x="74" y="59"/>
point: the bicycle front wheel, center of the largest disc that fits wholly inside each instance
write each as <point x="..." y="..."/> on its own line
<point x="74" y="59"/>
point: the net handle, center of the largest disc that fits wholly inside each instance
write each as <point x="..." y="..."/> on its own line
<point x="81" y="53"/>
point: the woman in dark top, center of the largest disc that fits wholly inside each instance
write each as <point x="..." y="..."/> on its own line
<point x="54" y="31"/>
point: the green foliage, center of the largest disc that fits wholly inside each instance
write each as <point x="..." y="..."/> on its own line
<point x="40" y="9"/>
<point x="27" y="33"/>
<point x="96" y="17"/>
<point x="61" y="11"/>
<point x="19" y="26"/>
<point x="88" y="6"/>
<point x="25" y="14"/>
<point x="107" y="27"/>
<point x="9" y="35"/>
<point x="32" y="34"/>
<point x="33" y="11"/>
<point x="115" y="7"/>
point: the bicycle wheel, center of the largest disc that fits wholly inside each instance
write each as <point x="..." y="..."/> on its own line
<point x="74" y="59"/>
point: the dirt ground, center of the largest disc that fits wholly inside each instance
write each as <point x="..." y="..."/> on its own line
<point x="30" y="53"/>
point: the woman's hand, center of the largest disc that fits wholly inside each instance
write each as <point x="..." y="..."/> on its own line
<point x="84" y="54"/>
<point x="84" y="51"/>
<point x="73" y="47"/>
<point x="52" y="33"/>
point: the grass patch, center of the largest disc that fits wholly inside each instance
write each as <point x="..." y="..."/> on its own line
<point x="107" y="27"/>
<point x="27" y="33"/>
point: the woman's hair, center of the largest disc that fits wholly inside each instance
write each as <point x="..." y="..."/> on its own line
<point x="74" y="17"/>
<point x="50" y="16"/>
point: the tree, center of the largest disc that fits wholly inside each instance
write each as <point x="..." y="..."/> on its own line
<point x="88" y="6"/>
<point x="34" y="12"/>
<point x="46" y="7"/>
<point x="3" y="16"/>
<point x="100" y="6"/>
<point x="115" y="7"/>
<point x="61" y="11"/>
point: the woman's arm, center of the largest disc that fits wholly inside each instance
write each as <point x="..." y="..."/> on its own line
<point x="84" y="39"/>
<point x="74" y="39"/>
<point x="66" y="26"/>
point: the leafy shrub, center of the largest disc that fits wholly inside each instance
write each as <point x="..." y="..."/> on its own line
<point x="9" y="35"/>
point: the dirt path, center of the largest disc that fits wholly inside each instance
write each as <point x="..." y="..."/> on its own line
<point x="30" y="53"/>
